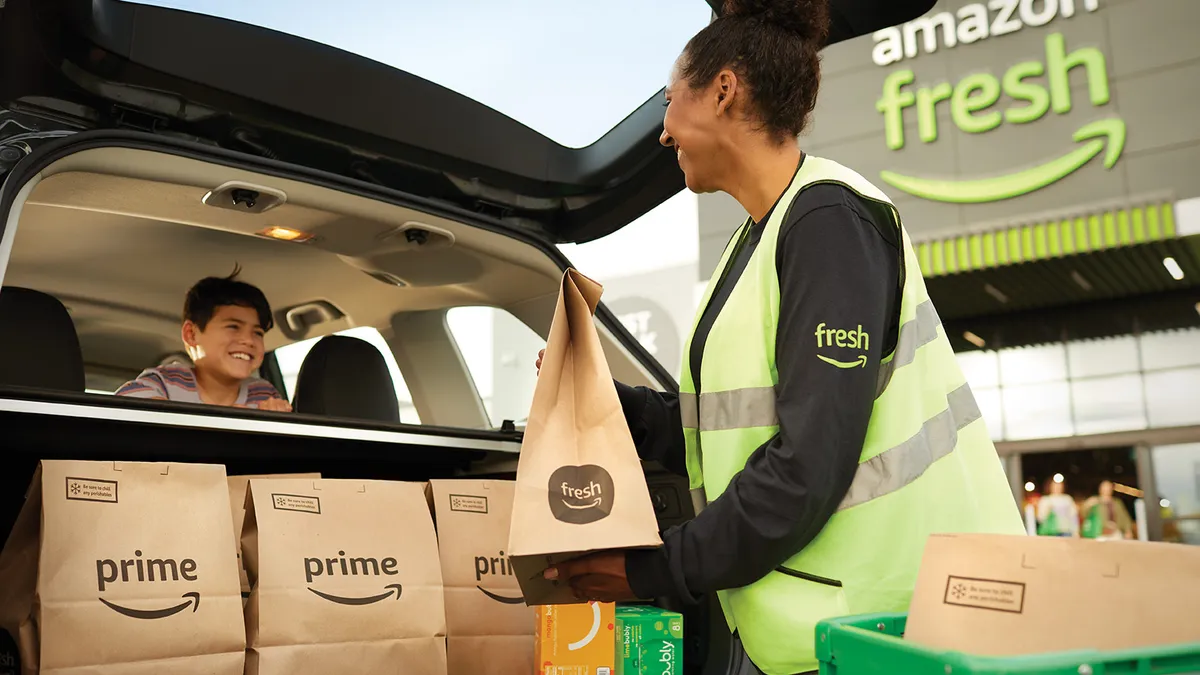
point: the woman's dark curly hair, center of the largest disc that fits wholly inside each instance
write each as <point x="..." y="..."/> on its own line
<point x="774" y="48"/>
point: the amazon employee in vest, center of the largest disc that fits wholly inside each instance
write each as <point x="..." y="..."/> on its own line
<point x="821" y="410"/>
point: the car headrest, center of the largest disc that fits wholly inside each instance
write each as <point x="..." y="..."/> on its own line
<point x="38" y="343"/>
<point x="346" y="377"/>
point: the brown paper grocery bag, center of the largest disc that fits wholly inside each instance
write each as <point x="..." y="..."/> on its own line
<point x="344" y="578"/>
<point x="580" y="485"/>
<point x="124" y="567"/>
<point x="1006" y="595"/>
<point x="489" y="629"/>
<point x="237" y="508"/>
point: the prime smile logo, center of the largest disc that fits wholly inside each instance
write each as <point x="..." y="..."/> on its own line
<point x="147" y="570"/>
<point x="494" y="566"/>
<point x="580" y="494"/>
<point x="1032" y="89"/>
<point x="352" y="567"/>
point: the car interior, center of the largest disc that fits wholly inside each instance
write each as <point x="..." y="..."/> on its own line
<point x="107" y="242"/>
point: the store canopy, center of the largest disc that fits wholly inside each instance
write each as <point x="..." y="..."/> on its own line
<point x="1089" y="274"/>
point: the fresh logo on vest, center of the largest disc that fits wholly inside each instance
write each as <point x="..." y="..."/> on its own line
<point x="351" y="567"/>
<point x="137" y="570"/>
<point x="580" y="494"/>
<point x="498" y="567"/>
<point x="855" y="338"/>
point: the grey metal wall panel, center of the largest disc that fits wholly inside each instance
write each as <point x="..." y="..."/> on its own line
<point x="1150" y="51"/>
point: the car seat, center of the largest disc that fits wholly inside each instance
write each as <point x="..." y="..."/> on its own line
<point x="346" y="377"/>
<point x="38" y="343"/>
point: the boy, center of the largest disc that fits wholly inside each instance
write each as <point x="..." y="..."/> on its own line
<point x="224" y="321"/>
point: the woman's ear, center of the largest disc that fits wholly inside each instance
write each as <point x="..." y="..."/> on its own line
<point x="726" y="91"/>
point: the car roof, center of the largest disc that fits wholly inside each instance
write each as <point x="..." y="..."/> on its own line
<point x="265" y="90"/>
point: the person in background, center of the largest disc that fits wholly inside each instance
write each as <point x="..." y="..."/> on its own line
<point x="1116" y="520"/>
<point x="224" y="321"/>
<point x="1057" y="514"/>
<point x="822" y="414"/>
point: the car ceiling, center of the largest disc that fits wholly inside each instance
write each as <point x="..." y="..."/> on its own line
<point x="137" y="245"/>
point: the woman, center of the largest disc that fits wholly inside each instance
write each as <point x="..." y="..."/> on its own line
<point x="821" y="412"/>
<point x="1113" y="517"/>
<point x="1057" y="514"/>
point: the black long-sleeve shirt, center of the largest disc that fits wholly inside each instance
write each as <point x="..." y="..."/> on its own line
<point x="838" y="269"/>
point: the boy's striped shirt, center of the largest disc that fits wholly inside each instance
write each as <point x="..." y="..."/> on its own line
<point x="178" y="383"/>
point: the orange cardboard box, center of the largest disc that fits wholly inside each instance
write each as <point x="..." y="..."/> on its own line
<point x="576" y="639"/>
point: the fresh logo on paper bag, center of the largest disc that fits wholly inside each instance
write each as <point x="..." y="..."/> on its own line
<point x="10" y="656"/>
<point x="580" y="494"/>
<point x="91" y="490"/>
<point x="496" y="566"/>
<point x="138" y="570"/>
<point x="351" y="567"/>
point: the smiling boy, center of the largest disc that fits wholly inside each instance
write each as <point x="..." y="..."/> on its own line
<point x="224" y="321"/>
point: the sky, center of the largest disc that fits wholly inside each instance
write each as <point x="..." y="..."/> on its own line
<point x="568" y="69"/>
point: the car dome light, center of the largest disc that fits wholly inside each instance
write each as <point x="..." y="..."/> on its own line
<point x="285" y="234"/>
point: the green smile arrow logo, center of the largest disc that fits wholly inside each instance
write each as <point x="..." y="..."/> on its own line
<point x="860" y="363"/>
<point x="1101" y="132"/>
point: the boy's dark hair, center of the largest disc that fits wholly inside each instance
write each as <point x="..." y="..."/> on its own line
<point x="209" y="293"/>
<point x="774" y="47"/>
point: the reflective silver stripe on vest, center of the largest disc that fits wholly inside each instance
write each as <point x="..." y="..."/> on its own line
<point x="896" y="467"/>
<point x="734" y="409"/>
<point x="913" y="335"/>
<point x="689" y="412"/>
<point x="755" y="406"/>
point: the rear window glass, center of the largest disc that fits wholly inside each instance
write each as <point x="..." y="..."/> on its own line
<point x="500" y="352"/>
<point x="568" y="70"/>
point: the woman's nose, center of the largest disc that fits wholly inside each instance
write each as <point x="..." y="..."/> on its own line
<point x="666" y="139"/>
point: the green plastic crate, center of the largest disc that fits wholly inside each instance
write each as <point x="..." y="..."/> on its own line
<point x="871" y="644"/>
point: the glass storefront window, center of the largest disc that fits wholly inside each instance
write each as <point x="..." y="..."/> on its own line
<point x="1032" y="365"/>
<point x="1171" y="349"/>
<point x="1113" y="356"/>
<point x="1106" y="404"/>
<point x="1171" y="397"/>
<point x="1096" y="386"/>
<point x="982" y="369"/>
<point x="1177" y="477"/>
<point x="1037" y="411"/>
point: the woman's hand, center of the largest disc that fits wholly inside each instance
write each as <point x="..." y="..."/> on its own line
<point x="539" y="361"/>
<point x="599" y="576"/>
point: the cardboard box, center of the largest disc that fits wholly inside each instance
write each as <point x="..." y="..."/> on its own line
<point x="649" y="641"/>
<point x="1005" y="595"/>
<point x="575" y="639"/>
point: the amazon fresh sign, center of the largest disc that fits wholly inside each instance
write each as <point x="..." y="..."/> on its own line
<point x="981" y="102"/>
